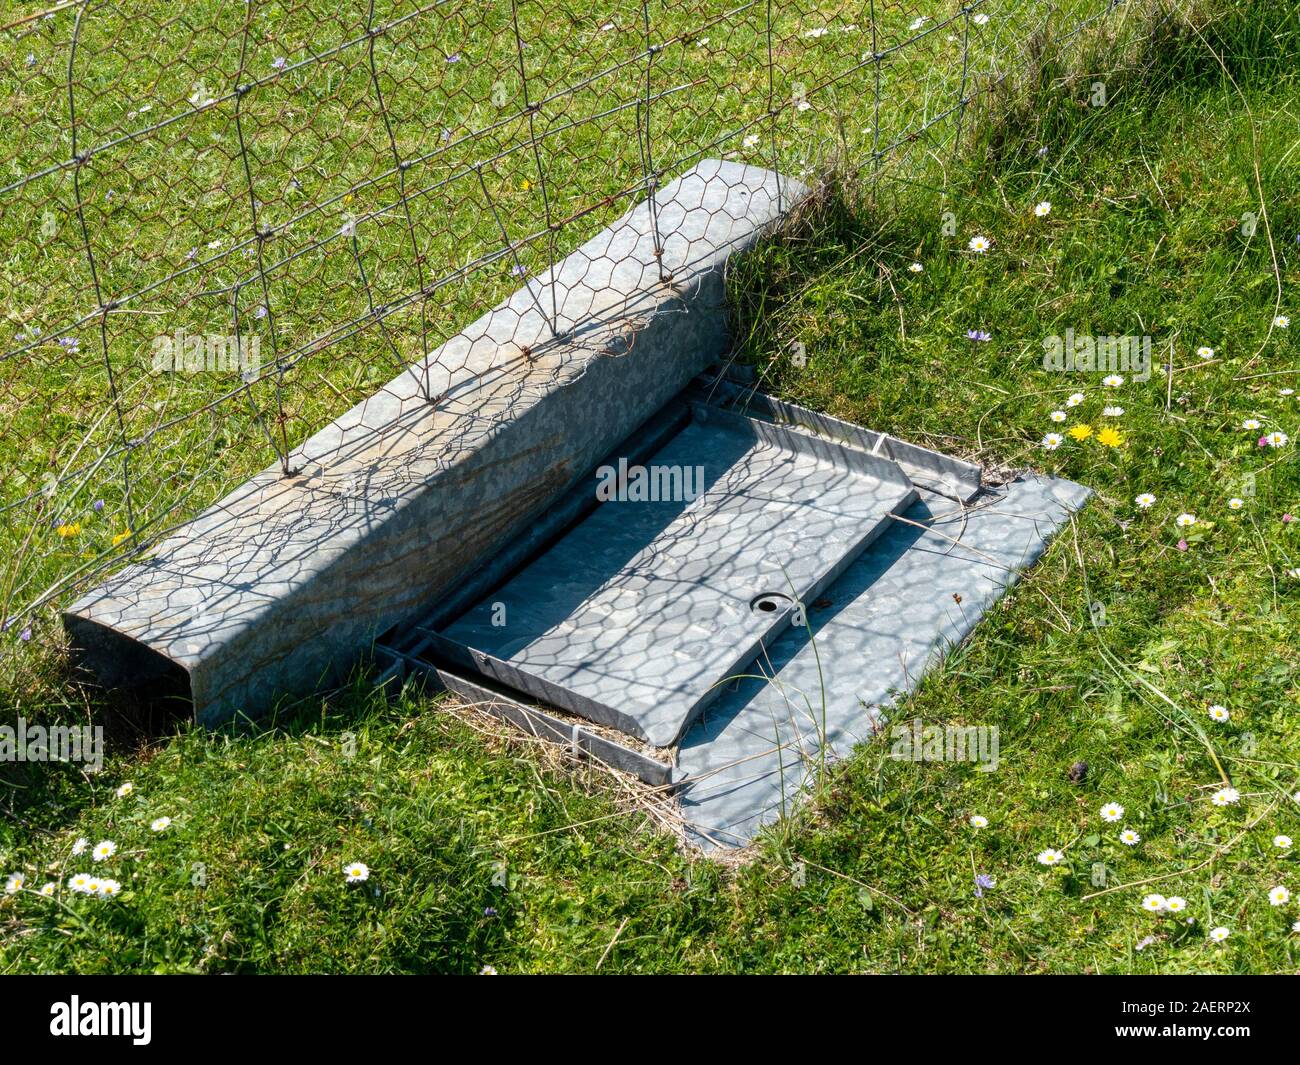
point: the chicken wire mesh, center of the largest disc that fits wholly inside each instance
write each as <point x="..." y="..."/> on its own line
<point x="227" y="223"/>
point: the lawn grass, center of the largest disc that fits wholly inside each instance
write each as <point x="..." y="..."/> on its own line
<point x="485" y="851"/>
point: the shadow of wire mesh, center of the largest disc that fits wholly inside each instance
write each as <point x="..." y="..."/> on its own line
<point x="225" y="224"/>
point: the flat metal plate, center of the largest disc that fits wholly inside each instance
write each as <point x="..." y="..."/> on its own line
<point x="874" y="634"/>
<point x="643" y="611"/>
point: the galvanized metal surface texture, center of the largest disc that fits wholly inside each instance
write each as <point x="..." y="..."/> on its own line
<point x="286" y="581"/>
<point x="642" y="611"/>
<point x="919" y="591"/>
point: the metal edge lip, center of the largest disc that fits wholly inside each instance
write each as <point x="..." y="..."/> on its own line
<point x="955" y="478"/>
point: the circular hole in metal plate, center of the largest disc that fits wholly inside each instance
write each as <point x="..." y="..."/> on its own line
<point x="769" y="603"/>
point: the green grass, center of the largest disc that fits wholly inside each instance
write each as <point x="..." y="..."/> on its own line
<point x="486" y="851"/>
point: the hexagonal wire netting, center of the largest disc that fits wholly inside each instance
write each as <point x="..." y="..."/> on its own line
<point x="224" y="224"/>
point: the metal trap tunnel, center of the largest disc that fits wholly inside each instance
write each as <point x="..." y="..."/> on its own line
<point x="583" y="531"/>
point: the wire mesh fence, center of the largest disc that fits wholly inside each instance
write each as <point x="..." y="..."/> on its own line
<point x="226" y="223"/>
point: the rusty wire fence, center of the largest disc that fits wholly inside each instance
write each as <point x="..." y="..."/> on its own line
<point x="225" y="223"/>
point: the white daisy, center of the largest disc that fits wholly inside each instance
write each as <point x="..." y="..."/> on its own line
<point x="1295" y="926"/>
<point x="1219" y="934"/>
<point x="1225" y="797"/>
<point x="1112" y="412"/>
<point x="1236" y="504"/>
<point x="1058" y="416"/>
<point x="979" y="244"/>
<point x="108" y="888"/>
<point x="980" y="19"/>
<point x="917" y="23"/>
<point x="1286" y="391"/>
<point x="1185" y="521"/>
<point x="1153" y="903"/>
<point x="80" y="846"/>
<point x="1052" y="441"/>
<point x="1074" y="400"/>
<point x="1112" y="812"/>
<point x="104" y="849"/>
<point x="749" y="141"/>
<point x="916" y="268"/>
<point x="1282" y="321"/>
<point x="1050" y="857"/>
<point x="1042" y="210"/>
<point x="92" y="885"/>
<point x="1145" y="500"/>
<point x="14" y="883"/>
<point x="356" y="872"/>
<point x="1279" y="896"/>
<point x="488" y="970"/>
<point x="1282" y="842"/>
<point x="1129" y="838"/>
<point x="1175" y="904"/>
<point x="1113" y="380"/>
<point x="1219" y="713"/>
<point x="78" y="882"/>
<point x="48" y="888"/>
<point x="125" y="790"/>
<point x="1251" y="423"/>
<point x="1278" y="439"/>
<point x="1205" y="352"/>
<point x="979" y="821"/>
<point x="159" y="824"/>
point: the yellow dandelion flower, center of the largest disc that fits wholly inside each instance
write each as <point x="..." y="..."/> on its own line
<point x="1081" y="432"/>
<point x="69" y="530"/>
<point x="1110" y="437"/>
<point x="121" y="537"/>
<point x="526" y="185"/>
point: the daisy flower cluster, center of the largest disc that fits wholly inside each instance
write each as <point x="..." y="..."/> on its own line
<point x="1105" y="434"/>
<point x="101" y="853"/>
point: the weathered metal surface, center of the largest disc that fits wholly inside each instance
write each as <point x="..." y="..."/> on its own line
<point x="530" y="719"/>
<point x="928" y="469"/>
<point x="641" y="613"/>
<point x="918" y="591"/>
<point x="286" y="581"/>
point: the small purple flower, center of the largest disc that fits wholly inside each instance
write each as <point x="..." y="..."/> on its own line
<point x="519" y="270"/>
<point x="191" y="255"/>
<point x="26" y="634"/>
<point x="260" y="312"/>
<point x="489" y="911"/>
<point x="99" y="506"/>
<point x="279" y="62"/>
<point x="978" y="335"/>
<point x="70" y="344"/>
<point x="1287" y="519"/>
<point x="983" y="883"/>
<point x="31" y="62"/>
<point x="446" y="135"/>
<point x="1263" y="441"/>
<point x="1182" y="545"/>
<point x="454" y="57"/>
